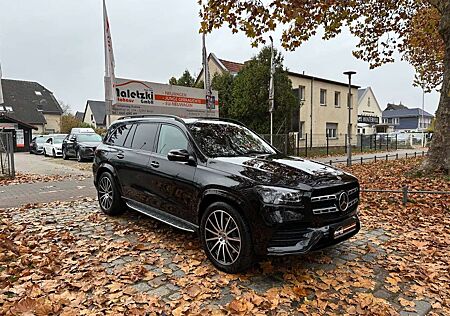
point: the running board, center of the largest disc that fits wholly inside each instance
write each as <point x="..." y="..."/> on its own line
<point x="162" y="216"/>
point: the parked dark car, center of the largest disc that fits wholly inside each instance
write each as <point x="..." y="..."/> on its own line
<point x="37" y="144"/>
<point x="80" y="145"/>
<point x="219" y="179"/>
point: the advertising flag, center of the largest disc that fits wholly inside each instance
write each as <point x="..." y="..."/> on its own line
<point x="1" y="90"/>
<point x="272" y="85"/>
<point x="109" y="60"/>
<point x="210" y="99"/>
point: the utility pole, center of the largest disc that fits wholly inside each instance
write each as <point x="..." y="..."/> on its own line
<point x="423" y="121"/>
<point x="349" y="127"/>
<point x="271" y="91"/>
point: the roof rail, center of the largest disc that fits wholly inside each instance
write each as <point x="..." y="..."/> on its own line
<point x="150" y="115"/>
<point x="220" y="119"/>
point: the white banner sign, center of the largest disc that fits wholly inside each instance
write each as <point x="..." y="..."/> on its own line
<point x="141" y="97"/>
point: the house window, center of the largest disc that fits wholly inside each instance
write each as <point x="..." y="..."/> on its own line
<point x="301" y="93"/>
<point x="302" y="128"/>
<point x="368" y="102"/>
<point x="92" y="117"/>
<point x="38" y="92"/>
<point x="8" y="108"/>
<point x="323" y="97"/>
<point x="337" y="99"/>
<point x="332" y="130"/>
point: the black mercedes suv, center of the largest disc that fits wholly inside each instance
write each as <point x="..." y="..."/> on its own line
<point x="218" y="178"/>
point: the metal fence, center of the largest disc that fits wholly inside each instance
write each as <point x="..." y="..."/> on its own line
<point x="323" y="144"/>
<point x="7" y="155"/>
<point x="405" y="191"/>
<point x="386" y="157"/>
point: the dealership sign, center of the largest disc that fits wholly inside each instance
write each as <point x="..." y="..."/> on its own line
<point x="368" y="119"/>
<point x="141" y="97"/>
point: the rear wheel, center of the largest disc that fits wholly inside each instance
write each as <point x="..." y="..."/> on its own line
<point x="108" y="195"/>
<point x="226" y="238"/>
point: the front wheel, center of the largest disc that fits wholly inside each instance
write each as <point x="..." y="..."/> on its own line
<point x="64" y="154"/>
<point x="79" y="158"/>
<point x="226" y="238"/>
<point x="54" y="153"/>
<point x="108" y="195"/>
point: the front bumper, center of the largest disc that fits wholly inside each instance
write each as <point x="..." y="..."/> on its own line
<point x="289" y="241"/>
<point x="87" y="152"/>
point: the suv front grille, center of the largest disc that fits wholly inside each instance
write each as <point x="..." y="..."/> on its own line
<point x="329" y="203"/>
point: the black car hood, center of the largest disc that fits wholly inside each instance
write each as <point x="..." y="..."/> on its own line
<point x="89" y="144"/>
<point x="280" y="170"/>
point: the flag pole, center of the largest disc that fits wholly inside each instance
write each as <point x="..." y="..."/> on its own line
<point x="109" y="65"/>
<point x="271" y="90"/>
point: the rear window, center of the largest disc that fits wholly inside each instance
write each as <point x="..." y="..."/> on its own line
<point x="89" y="138"/>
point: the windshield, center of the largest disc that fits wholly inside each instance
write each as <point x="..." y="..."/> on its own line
<point x="58" y="140"/>
<point x="224" y="139"/>
<point x="41" y="140"/>
<point x="89" y="138"/>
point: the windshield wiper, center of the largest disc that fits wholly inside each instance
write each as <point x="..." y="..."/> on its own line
<point x="257" y="152"/>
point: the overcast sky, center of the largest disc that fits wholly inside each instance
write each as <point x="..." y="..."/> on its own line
<point x="59" y="43"/>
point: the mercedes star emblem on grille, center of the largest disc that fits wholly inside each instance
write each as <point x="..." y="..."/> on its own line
<point x="343" y="201"/>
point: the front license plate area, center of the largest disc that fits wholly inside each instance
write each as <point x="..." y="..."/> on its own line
<point x="343" y="230"/>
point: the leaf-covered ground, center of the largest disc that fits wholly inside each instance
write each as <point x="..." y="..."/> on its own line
<point x="68" y="258"/>
<point x="22" y="178"/>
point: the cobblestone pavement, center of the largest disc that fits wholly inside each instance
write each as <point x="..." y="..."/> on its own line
<point x="174" y="269"/>
<point x="43" y="192"/>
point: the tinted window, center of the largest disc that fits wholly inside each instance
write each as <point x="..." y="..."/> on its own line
<point x="119" y="135"/>
<point x="130" y="136"/>
<point x="219" y="139"/>
<point x="89" y="138"/>
<point x="144" y="136"/>
<point x="171" y="137"/>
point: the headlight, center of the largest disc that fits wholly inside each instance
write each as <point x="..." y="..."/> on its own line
<point x="280" y="196"/>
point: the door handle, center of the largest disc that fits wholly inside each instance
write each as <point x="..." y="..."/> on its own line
<point x="154" y="164"/>
<point x="120" y="156"/>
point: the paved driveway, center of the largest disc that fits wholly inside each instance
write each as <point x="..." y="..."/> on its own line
<point x="38" y="164"/>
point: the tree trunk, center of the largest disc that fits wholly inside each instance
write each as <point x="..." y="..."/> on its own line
<point x="439" y="153"/>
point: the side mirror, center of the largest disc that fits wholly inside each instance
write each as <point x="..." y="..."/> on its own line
<point x="180" y="155"/>
<point x="72" y="139"/>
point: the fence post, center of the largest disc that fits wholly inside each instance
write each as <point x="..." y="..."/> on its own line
<point x="415" y="155"/>
<point x="361" y="136"/>
<point x="327" y="144"/>
<point x="306" y="144"/>
<point x="387" y="143"/>
<point x="396" y="142"/>
<point x="375" y="158"/>
<point x="396" y="156"/>
<point x="286" y="140"/>
<point x="361" y="160"/>
<point x="423" y="153"/>
<point x="386" y="157"/>
<point x="405" y="194"/>
<point x="406" y="155"/>
<point x="345" y="143"/>
<point x="375" y="142"/>
<point x="331" y="162"/>
<point x="370" y="142"/>
<point x="298" y="144"/>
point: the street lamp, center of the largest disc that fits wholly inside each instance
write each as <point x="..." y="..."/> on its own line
<point x="349" y="127"/>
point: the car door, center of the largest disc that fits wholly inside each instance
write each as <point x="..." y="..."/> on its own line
<point x="136" y="152"/>
<point x="48" y="145"/>
<point x="172" y="182"/>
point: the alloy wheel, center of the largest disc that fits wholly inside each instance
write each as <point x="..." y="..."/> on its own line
<point x="105" y="193"/>
<point x="222" y="237"/>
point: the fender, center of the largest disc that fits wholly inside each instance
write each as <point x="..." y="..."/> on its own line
<point x="110" y="168"/>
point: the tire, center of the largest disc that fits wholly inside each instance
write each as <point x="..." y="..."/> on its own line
<point x="224" y="250"/>
<point x="108" y="195"/>
<point x="79" y="158"/>
<point x="54" y="153"/>
<point x="64" y="154"/>
<point x="45" y="153"/>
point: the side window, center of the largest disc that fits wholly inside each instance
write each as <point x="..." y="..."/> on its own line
<point x="130" y="136"/>
<point x="49" y="141"/>
<point x="144" y="136"/>
<point x="119" y="135"/>
<point x="171" y="137"/>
